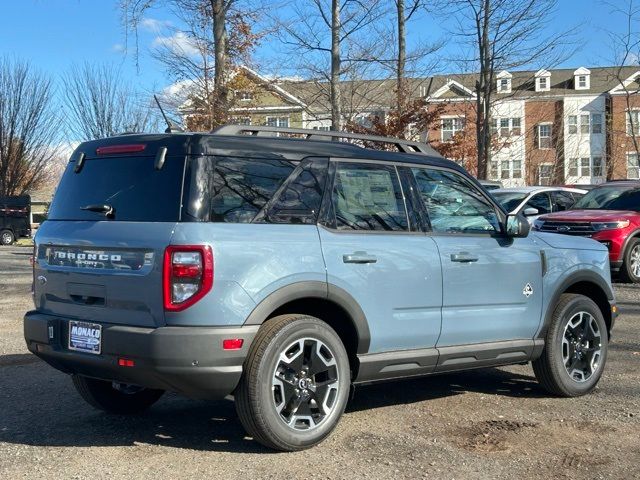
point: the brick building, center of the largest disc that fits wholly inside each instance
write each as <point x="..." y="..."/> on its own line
<point x="550" y="126"/>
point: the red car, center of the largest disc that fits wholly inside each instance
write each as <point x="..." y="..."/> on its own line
<point x="609" y="214"/>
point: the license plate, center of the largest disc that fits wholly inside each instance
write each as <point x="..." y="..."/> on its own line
<point x="85" y="337"/>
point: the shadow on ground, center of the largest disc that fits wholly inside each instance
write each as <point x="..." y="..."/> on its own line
<point x="39" y="407"/>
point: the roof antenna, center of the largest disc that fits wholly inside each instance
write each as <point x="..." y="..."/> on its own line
<point x="171" y="128"/>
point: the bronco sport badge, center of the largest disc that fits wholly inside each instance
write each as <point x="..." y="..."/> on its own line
<point x="527" y="291"/>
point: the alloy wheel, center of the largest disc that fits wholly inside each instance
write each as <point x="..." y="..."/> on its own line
<point x="635" y="260"/>
<point x="581" y="347"/>
<point x="305" y="384"/>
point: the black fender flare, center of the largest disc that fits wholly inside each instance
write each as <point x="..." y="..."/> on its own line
<point x="315" y="289"/>
<point x="633" y="235"/>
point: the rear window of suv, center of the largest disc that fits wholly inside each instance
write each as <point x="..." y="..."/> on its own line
<point x="131" y="185"/>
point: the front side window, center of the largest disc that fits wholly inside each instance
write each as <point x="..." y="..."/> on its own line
<point x="453" y="204"/>
<point x="451" y="126"/>
<point x="540" y="202"/>
<point x="561" y="201"/>
<point x="368" y="197"/>
<point x="544" y="135"/>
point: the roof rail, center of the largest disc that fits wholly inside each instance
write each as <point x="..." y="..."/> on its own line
<point x="406" y="146"/>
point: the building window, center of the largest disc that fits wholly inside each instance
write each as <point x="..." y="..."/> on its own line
<point x="508" y="126"/>
<point x="633" y="168"/>
<point x="544" y="135"/>
<point x="241" y="120"/>
<point x="543" y="83"/>
<point x="505" y="170"/>
<point x="545" y="173"/>
<point x="586" y="167"/>
<point x="584" y="124"/>
<point x="596" y="123"/>
<point x="504" y="85"/>
<point x="572" y="121"/>
<point x="322" y="128"/>
<point x="451" y="126"/>
<point x="277" y="121"/>
<point x="582" y="81"/>
<point x="633" y="122"/>
<point x="245" y="95"/>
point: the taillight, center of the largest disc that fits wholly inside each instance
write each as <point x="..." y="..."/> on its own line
<point x="187" y="275"/>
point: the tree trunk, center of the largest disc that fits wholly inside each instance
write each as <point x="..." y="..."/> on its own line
<point x="402" y="55"/>
<point x="336" y="114"/>
<point x="220" y="52"/>
<point x="484" y="93"/>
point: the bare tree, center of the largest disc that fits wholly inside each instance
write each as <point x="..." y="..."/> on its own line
<point x="215" y="37"/>
<point x="28" y="127"/>
<point x="99" y="103"/>
<point x="504" y="35"/>
<point x="329" y="40"/>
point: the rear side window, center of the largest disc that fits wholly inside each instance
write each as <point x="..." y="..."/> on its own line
<point x="232" y="189"/>
<point x="368" y="197"/>
<point x="131" y="185"/>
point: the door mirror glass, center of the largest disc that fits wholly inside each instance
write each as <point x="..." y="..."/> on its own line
<point x="530" y="212"/>
<point x="517" y="226"/>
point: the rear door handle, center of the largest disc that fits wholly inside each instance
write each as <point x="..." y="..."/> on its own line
<point x="359" y="257"/>
<point x="463" y="257"/>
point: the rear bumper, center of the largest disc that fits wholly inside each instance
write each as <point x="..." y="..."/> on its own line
<point x="187" y="360"/>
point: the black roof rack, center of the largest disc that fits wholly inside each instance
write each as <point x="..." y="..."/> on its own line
<point x="405" y="146"/>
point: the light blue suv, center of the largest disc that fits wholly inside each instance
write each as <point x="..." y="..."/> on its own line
<point x="284" y="269"/>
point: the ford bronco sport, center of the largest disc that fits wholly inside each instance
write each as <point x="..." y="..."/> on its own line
<point x="282" y="268"/>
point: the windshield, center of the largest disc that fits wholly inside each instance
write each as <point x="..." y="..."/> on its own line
<point x="509" y="200"/>
<point x="610" y="198"/>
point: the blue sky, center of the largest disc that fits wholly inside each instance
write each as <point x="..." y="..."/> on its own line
<point x="53" y="34"/>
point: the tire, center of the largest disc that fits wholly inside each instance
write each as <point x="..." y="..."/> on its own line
<point x="293" y="353"/>
<point x="577" y="341"/>
<point x="104" y="396"/>
<point x="630" y="270"/>
<point x="7" y="237"/>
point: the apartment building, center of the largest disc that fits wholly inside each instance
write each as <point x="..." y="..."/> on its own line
<point x="575" y="126"/>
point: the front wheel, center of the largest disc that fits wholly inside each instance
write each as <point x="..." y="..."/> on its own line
<point x="630" y="270"/>
<point x="7" y="237"/>
<point x="115" y="397"/>
<point x="295" y="383"/>
<point x="575" y="349"/>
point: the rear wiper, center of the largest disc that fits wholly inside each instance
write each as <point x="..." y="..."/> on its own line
<point x="107" y="210"/>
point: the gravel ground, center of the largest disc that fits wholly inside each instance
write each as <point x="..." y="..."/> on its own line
<point x="493" y="423"/>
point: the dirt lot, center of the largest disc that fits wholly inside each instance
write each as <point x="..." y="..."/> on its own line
<point x="493" y="423"/>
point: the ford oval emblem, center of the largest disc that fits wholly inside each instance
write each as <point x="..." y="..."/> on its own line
<point x="563" y="228"/>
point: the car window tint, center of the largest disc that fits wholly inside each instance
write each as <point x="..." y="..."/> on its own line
<point x="299" y="201"/>
<point x="541" y="202"/>
<point x="562" y="201"/>
<point x="368" y="197"/>
<point x="233" y="190"/>
<point x="454" y="205"/>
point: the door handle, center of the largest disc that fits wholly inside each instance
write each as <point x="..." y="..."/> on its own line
<point x="463" y="257"/>
<point x="359" y="257"/>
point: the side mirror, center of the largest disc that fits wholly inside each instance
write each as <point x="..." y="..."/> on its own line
<point x="517" y="226"/>
<point x="530" y="212"/>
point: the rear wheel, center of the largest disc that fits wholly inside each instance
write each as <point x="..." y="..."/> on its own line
<point x="575" y="349"/>
<point x="295" y="383"/>
<point x="630" y="270"/>
<point x="7" y="237"/>
<point x="115" y="397"/>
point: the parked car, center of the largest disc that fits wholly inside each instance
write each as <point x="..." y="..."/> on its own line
<point x="285" y="271"/>
<point x="14" y="218"/>
<point x="535" y="201"/>
<point x="609" y="214"/>
<point x="490" y="184"/>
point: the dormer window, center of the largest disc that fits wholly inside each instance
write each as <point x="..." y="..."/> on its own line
<point x="503" y="82"/>
<point x="582" y="79"/>
<point x="543" y="81"/>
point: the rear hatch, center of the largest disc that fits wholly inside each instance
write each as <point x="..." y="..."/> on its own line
<point x="100" y="252"/>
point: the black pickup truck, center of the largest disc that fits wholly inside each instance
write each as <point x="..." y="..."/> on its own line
<point x="15" y="218"/>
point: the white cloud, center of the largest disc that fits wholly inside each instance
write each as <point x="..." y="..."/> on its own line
<point x="154" y="25"/>
<point x="179" y="43"/>
<point x="118" y="48"/>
